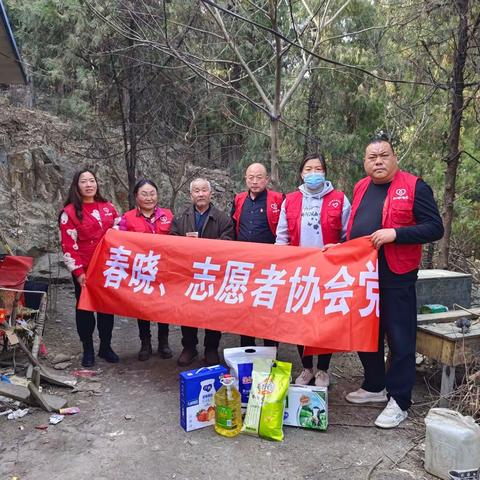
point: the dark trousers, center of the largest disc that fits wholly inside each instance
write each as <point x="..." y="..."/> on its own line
<point x="144" y="329"/>
<point x="398" y="321"/>
<point x="86" y="321"/>
<point x="323" y="361"/>
<point x="250" y="342"/>
<point x="190" y="338"/>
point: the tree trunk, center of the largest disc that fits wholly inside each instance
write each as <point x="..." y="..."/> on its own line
<point x="131" y="103"/>
<point x="274" y="170"/>
<point x="312" y="109"/>
<point x="276" y="113"/>
<point x="455" y="127"/>
<point x="122" y="105"/>
<point x="173" y="199"/>
<point x="232" y="145"/>
<point x="428" y="263"/>
<point x="30" y="101"/>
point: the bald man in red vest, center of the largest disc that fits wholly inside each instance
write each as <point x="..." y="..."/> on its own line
<point x="255" y="214"/>
<point x="397" y="210"/>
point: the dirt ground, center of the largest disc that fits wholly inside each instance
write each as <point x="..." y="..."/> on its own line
<point x="128" y="427"/>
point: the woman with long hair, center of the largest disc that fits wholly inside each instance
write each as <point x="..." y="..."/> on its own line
<point x="85" y="218"/>
<point x="313" y="216"/>
<point x="148" y="217"/>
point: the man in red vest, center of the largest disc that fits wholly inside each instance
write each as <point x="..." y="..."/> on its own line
<point x="397" y="210"/>
<point x="255" y="214"/>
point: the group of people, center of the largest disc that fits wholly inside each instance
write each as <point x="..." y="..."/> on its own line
<point x="394" y="208"/>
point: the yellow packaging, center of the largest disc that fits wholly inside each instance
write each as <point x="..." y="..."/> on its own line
<point x="266" y="402"/>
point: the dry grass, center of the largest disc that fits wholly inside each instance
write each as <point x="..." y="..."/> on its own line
<point x="466" y="397"/>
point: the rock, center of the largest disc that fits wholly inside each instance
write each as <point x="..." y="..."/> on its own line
<point x="21" y="172"/>
<point x="60" y="358"/>
<point x="39" y="154"/>
<point x="62" y="365"/>
<point x="50" y="265"/>
<point x="88" y="387"/>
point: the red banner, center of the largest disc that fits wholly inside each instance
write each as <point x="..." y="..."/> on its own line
<point x="328" y="300"/>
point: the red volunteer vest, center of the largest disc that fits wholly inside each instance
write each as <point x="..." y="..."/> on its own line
<point x="397" y="212"/>
<point x="274" y="204"/>
<point x="330" y="216"/>
<point x="138" y="223"/>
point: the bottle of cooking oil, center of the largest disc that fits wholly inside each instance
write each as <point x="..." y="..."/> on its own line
<point x="228" y="408"/>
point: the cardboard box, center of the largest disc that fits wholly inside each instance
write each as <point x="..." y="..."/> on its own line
<point x="306" y="407"/>
<point x="197" y="389"/>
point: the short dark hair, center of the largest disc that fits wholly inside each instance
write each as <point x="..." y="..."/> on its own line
<point x="141" y="183"/>
<point x="313" y="156"/>
<point x="380" y="137"/>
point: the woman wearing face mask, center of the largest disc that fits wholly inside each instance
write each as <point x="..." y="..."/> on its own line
<point x="85" y="218"/>
<point x="313" y="216"/>
<point x="148" y="217"/>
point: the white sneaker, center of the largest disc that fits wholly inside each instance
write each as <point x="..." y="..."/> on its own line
<point x="362" y="396"/>
<point x="322" y="379"/>
<point x="305" y="377"/>
<point x="392" y="415"/>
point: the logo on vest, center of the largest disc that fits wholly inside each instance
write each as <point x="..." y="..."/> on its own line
<point x="274" y="207"/>
<point x="164" y="220"/>
<point x="400" y="194"/>
<point x="107" y="212"/>
<point x="334" y="203"/>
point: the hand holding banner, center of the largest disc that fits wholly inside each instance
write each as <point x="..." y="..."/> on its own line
<point x="327" y="300"/>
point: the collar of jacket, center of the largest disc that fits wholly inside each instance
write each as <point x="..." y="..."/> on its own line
<point x="157" y="213"/>
<point x="211" y="213"/>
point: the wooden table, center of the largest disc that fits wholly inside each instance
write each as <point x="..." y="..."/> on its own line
<point x="440" y="339"/>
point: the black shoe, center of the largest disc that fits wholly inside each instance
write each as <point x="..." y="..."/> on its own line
<point x="145" y="350"/>
<point x="187" y="356"/>
<point x="108" y="354"/>
<point x="211" y="358"/>
<point x="164" y="349"/>
<point x="88" y="359"/>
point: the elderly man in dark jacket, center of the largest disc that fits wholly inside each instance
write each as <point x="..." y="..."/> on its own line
<point x="201" y="219"/>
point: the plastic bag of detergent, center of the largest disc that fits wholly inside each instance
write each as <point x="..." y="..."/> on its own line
<point x="240" y="361"/>
<point x="266" y="402"/>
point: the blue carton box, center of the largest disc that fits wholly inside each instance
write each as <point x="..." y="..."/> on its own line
<point x="197" y="389"/>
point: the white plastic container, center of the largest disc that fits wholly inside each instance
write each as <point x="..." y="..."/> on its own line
<point x="240" y="361"/>
<point x="452" y="442"/>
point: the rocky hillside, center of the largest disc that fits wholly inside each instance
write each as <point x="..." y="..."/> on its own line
<point x="38" y="156"/>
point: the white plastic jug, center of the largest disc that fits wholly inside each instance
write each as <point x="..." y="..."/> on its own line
<point x="452" y="442"/>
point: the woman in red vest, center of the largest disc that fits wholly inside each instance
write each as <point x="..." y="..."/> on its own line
<point x="148" y="217"/>
<point x="313" y="216"/>
<point x="83" y="222"/>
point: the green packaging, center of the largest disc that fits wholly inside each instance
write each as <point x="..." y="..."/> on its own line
<point x="266" y="402"/>
<point x="433" y="308"/>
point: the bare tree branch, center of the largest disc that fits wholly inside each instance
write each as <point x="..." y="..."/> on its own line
<point x="252" y="77"/>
